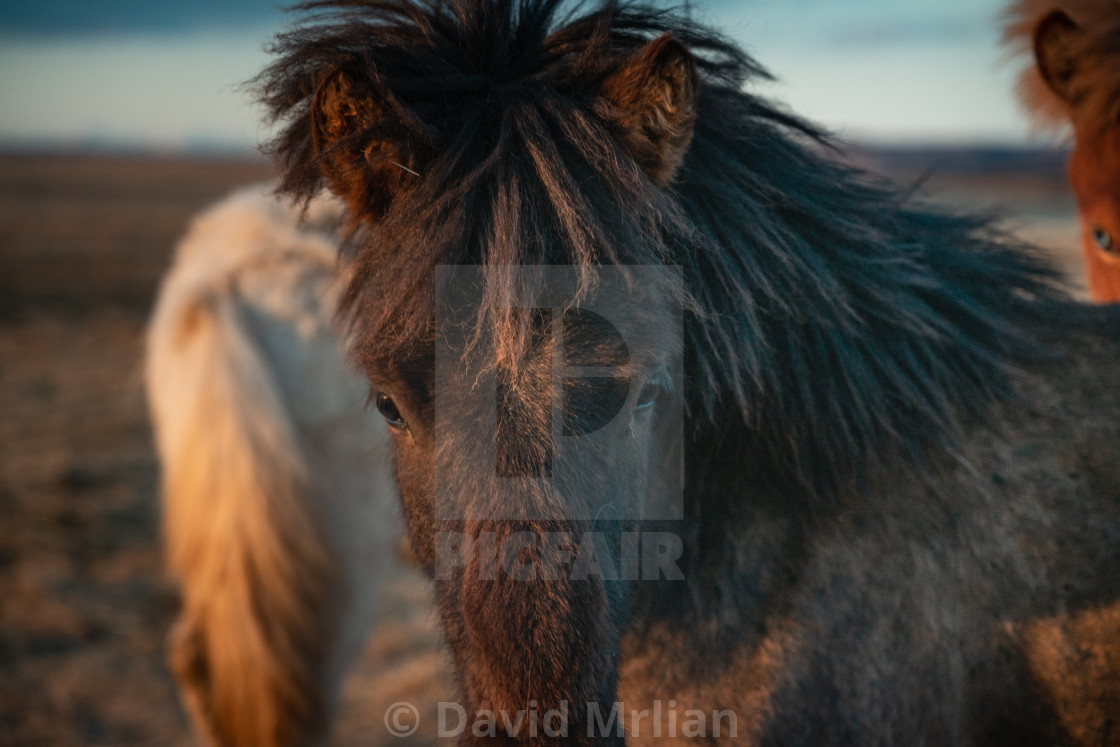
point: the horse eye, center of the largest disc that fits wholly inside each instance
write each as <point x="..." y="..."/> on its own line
<point x="1104" y="240"/>
<point x="647" y="397"/>
<point x="388" y="409"/>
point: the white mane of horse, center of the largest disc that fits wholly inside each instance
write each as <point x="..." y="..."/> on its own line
<point x="279" y="507"/>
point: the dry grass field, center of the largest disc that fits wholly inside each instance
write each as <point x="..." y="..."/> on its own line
<point x="83" y="603"/>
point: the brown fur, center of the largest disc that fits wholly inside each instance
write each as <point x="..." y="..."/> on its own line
<point x="652" y="100"/>
<point x="1094" y="173"/>
<point x="1090" y="59"/>
<point x="1075" y="82"/>
<point x="367" y="169"/>
<point x="1074" y="654"/>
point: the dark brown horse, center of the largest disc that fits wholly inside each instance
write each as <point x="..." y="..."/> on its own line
<point x="583" y="257"/>
<point x="1076" y="82"/>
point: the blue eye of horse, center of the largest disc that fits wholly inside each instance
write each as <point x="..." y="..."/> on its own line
<point x="1104" y="240"/>
<point x="389" y="410"/>
<point x="647" y="397"/>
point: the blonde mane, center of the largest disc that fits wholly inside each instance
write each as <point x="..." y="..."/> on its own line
<point x="274" y="479"/>
<point x="1096" y="85"/>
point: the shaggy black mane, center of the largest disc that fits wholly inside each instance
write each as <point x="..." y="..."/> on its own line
<point x="831" y="319"/>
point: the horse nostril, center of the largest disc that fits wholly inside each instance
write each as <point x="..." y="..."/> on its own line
<point x="1105" y="241"/>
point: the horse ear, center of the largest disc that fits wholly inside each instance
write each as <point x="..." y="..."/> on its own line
<point x="653" y="98"/>
<point x="1053" y="41"/>
<point x="362" y="165"/>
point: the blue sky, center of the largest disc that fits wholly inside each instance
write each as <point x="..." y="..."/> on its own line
<point x="156" y="75"/>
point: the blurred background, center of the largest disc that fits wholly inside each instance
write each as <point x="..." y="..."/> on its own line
<point x="165" y="76"/>
<point x="121" y="119"/>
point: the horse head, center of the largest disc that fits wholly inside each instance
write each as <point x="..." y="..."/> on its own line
<point x="535" y="404"/>
<point x="1078" y="63"/>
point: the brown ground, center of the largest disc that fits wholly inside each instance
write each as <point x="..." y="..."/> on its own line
<point x="83" y="604"/>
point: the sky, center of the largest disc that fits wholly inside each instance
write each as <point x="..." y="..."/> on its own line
<point x="167" y="76"/>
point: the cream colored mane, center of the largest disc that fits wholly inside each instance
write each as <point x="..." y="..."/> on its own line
<point x="279" y="510"/>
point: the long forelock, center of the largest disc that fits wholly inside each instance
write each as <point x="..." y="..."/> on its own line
<point x="521" y="170"/>
<point x="554" y="189"/>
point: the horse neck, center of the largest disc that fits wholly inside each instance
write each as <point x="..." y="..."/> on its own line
<point x="744" y="538"/>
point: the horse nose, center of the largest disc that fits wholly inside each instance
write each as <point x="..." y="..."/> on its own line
<point x="525" y="631"/>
